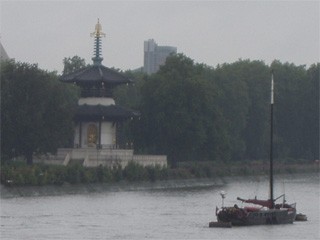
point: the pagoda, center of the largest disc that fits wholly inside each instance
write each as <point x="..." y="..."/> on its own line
<point x="97" y="115"/>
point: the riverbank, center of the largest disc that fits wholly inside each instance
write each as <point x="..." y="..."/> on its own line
<point x="22" y="175"/>
<point x="91" y="188"/>
<point x="123" y="186"/>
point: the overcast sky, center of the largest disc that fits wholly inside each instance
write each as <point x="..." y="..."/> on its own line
<point x="210" y="32"/>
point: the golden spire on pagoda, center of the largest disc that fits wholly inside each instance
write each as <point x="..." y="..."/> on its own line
<point x="97" y="32"/>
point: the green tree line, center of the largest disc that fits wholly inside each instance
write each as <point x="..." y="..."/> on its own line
<point x="194" y="112"/>
<point x="189" y="111"/>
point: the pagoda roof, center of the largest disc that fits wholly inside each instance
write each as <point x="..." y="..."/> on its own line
<point x="104" y="113"/>
<point x="94" y="75"/>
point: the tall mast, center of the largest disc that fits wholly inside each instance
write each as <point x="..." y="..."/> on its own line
<point x="271" y="141"/>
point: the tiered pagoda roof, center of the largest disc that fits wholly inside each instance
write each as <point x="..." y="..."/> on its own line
<point x="95" y="75"/>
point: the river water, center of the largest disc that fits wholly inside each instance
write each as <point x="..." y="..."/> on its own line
<point x="163" y="210"/>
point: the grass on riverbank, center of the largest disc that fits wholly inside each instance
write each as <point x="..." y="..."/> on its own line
<point x="20" y="174"/>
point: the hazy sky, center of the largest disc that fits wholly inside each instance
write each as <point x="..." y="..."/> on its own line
<point x="210" y="32"/>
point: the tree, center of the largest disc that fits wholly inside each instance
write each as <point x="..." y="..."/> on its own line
<point x="37" y="111"/>
<point x="73" y="64"/>
<point x="234" y="103"/>
<point x="191" y="111"/>
<point x="297" y="110"/>
<point x="256" y="134"/>
<point x="310" y="104"/>
<point x="179" y="116"/>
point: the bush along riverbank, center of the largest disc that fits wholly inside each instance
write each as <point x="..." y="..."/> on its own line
<point x="20" y="174"/>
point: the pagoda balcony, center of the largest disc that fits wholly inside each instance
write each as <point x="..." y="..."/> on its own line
<point x="128" y="146"/>
<point x="96" y="92"/>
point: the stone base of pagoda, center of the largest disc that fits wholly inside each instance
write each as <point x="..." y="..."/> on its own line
<point x="91" y="157"/>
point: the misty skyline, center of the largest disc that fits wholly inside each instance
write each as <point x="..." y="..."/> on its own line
<point x="210" y="32"/>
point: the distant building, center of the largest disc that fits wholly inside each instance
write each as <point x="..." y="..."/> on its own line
<point x="3" y="54"/>
<point x="155" y="56"/>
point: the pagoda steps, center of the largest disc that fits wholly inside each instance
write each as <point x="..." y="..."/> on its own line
<point x="76" y="161"/>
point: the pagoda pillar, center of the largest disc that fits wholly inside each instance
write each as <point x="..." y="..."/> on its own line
<point x="99" y="144"/>
<point x="80" y="134"/>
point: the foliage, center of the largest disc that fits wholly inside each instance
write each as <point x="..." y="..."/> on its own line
<point x="244" y="89"/>
<point x="296" y="111"/>
<point x="21" y="174"/>
<point x="135" y="172"/>
<point x="37" y="111"/>
<point x="73" y="64"/>
<point x="179" y="116"/>
<point x="157" y="173"/>
<point x="193" y="112"/>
